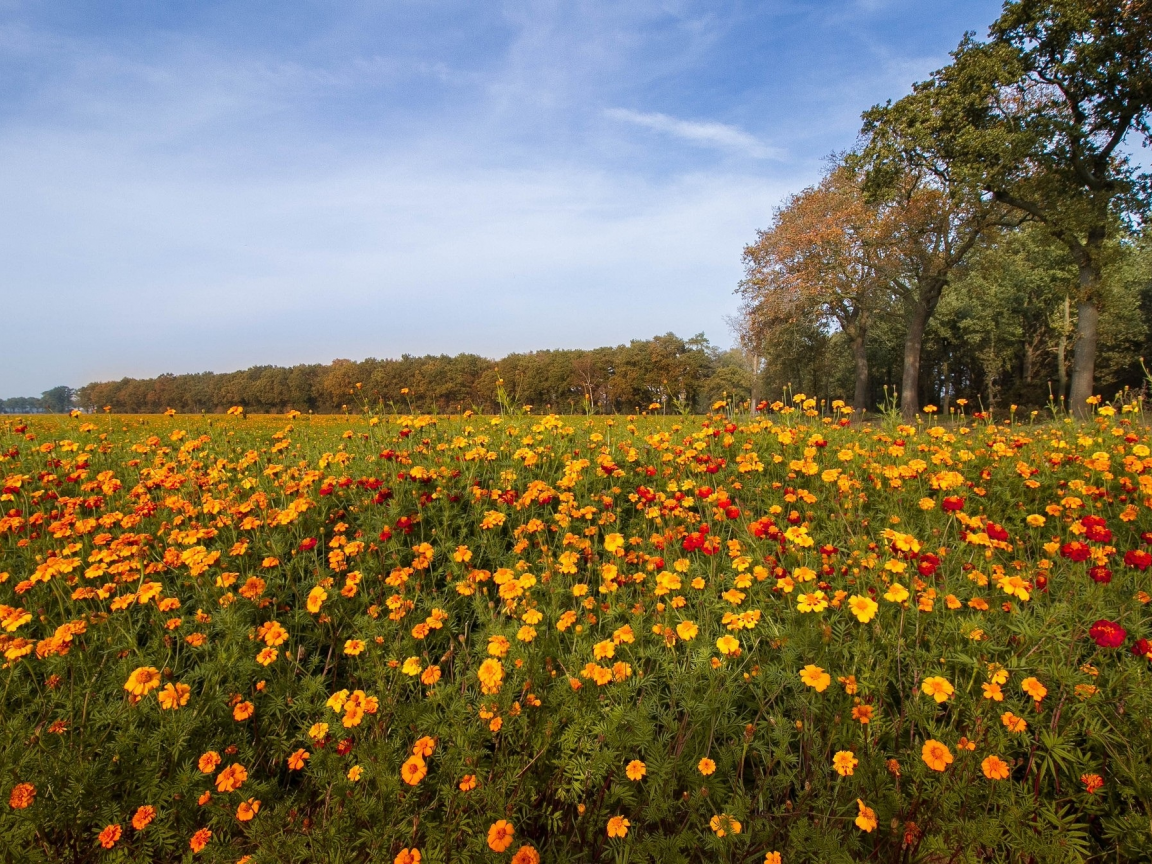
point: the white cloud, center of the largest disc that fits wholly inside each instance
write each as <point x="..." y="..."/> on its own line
<point x="719" y="135"/>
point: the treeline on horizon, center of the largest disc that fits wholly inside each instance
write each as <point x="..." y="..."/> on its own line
<point x="684" y="375"/>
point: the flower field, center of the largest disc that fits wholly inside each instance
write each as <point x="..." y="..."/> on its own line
<point x="404" y="638"/>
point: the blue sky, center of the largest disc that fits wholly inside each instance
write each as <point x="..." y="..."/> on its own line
<point x="209" y="186"/>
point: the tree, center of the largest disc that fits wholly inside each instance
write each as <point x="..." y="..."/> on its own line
<point x="824" y="256"/>
<point x="1039" y="114"/>
<point x="58" y="400"/>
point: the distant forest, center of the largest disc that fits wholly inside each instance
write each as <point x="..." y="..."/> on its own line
<point x="677" y="374"/>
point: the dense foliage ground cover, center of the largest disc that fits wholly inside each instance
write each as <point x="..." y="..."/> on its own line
<point x="575" y="639"/>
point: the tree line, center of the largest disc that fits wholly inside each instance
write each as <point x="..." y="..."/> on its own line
<point x="666" y="373"/>
<point x="987" y="237"/>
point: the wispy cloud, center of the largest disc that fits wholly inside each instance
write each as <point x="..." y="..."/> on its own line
<point x="707" y="134"/>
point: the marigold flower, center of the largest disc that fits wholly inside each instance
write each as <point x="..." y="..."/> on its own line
<point x="1013" y="723"/>
<point x="706" y="766"/>
<point x="687" y="630"/>
<point x="636" y="769"/>
<point x="896" y="593"/>
<point x="938" y="688"/>
<point x="995" y="768"/>
<point x="243" y="710"/>
<point x="1034" y="689"/>
<point x="815" y="677"/>
<point x="143" y="817"/>
<point x="407" y="856"/>
<point x="430" y="676"/>
<point x="316" y="598"/>
<point x="200" y="840"/>
<point x="355" y="773"/>
<point x="413" y="770"/>
<point x="491" y="674"/>
<point x="110" y="835"/>
<point x="468" y="783"/>
<point x="143" y="681"/>
<point x="247" y="810"/>
<point x="1093" y="783"/>
<point x="845" y="763"/>
<point x="424" y="746"/>
<point x="935" y="755"/>
<point x="728" y="645"/>
<point x="618" y="826"/>
<point x="862" y="713"/>
<point x="174" y="696"/>
<point x="297" y="759"/>
<point x="773" y="858"/>
<point x="231" y="778"/>
<point x="500" y="835"/>
<point x="866" y="818"/>
<point x="22" y="796"/>
<point x="864" y="608"/>
<point x="723" y="824"/>
<point x="526" y="855"/>
<point x="208" y="762"/>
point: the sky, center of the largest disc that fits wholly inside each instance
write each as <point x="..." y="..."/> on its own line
<point x="188" y="187"/>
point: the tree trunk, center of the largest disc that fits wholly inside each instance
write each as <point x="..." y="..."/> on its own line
<point x="860" y="359"/>
<point x="1084" y="358"/>
<point x="1062" y="354"/>
<point x="913" y="343"/>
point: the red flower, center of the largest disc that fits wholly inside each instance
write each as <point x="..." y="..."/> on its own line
<point x="997" y="532"/>
<point x="1101" y="574"/>
<point x="1147" y="537"/>
<point x="1108" y="634"/>
<point x="1075" y="551"/>
<point x="1138" y="559"/>
<point x="1143" y="648"/>
<point x="953" y="503"/>
<point x="308" y="544"/>
<point x="928" y="564"/>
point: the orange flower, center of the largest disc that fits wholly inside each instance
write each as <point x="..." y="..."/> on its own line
<point x="209" y="761"/>
<point x="866" y="818"/>
<point x="500" y="835"/>
<point x="773" y="858"/>
<point x="247" y="810"/>
<point x="231" y="778"/>
<point x="815" y="677"/>
<point x="845" y="763"/>
<point x="22" y="796"/>
<point x="407" y="856"/>
<point x="636" y="769"/>
<point x="424" y="746"/>
<point x="526" y="855"/>
<point x="355" y="773"/>
<point x="110" y="835"/>
<point x="297" y="759"/>
<point x="1092" y="783"/>
<point x="723" y="824"/>
<point x="143" y="681"/>
<point x="243" y="710"/>
<point x="706" y="766"/>
<point x="430" y="676"/>
<point x="316" y="598"/>
<point x="143" y="817"/>
<point x="1013" y="723"/>
<point x="414" y="770"/>
<point x="200" y="840"/>
<point x="618" y="826"/>
<point x="174" y="696"/>
<point x="935" y="755"/>
<point x="863" y="713"/>
<point x="1034" y="689"/>
<point x="995" y="768"/>
<point x="468" y="783"/>
<point x="491" y="674"/>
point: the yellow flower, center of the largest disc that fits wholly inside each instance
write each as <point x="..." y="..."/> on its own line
<point x="316" y="598"/>
<point x="143" y="681"/>
<point x="938" y="688"/>
<point x="706" y="766"/>
<point x="817" y="601"/>
<point x="174" y="696"/>
<point x="412" y="666"/>
<point x="864" y="608"/>
<point x="728" y="645"/>
<point x="722" y="824"/>
<point x="815" y="677"/>
<point x="491" y="674"/>
<point x="687" y="630"/>
<point x="636" y="769"/>
<point x="896" y="593"/>
<point x="866" y="819"/>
